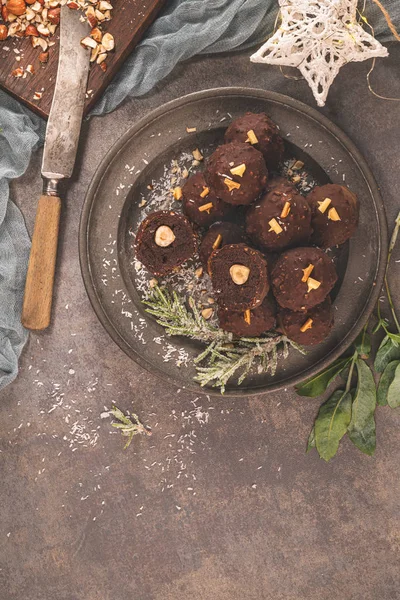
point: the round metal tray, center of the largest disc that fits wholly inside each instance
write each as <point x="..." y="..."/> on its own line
<point x="111" y="213"/>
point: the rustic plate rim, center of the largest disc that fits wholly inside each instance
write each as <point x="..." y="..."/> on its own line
<point x="177" y="103"/>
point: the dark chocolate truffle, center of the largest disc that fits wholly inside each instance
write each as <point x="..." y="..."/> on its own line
<point x="277" y="181"/>
<point x="237" y="173"/>
<point x="310" y="327"/>
<point x="249" y="323"/>
<point x="334" y="214"/>
<point x="164" y="241"/>
<point x="302" y="278"/>
<point x="239" y="276"/>
<point x="267" y="138"/>
<point x="219" y="235"/>
<point x="280" y="219"/>
<point x="200" y="204"/>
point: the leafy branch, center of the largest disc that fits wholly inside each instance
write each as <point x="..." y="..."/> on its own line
<point x="351" y="410"/>
<point x="224" y="355"/>
<point x="129" y="426"/>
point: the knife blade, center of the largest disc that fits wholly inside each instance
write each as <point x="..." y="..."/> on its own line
<point x="65" y="118"/>
<point x="61" y="143"/>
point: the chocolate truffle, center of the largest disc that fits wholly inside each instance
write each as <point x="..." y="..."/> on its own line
<point x="164" y="241"/>
<point x="262" y="133"/>
<point x="219" y="235"/>
<point x="249" y="323"/>
<point x="200" y="204"/>
<point x="334" y="214"/>
<point x="310" y="327"/>
<point x="277" y="181"/>
<point x="237" y="173"/>
<point x="280" y="219"/>
<point x="239" y="276"/>
<point x="302" y="278"/>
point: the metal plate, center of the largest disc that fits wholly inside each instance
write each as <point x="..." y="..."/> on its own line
<point x="111" y="210"/>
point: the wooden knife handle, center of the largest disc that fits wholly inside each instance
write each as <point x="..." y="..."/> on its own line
<point x="36" y="309"/>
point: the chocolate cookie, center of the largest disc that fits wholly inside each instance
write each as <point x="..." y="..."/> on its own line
<point x="219" y="235"/>
<point x="302" y="278"/>
<point x="164" y="241"/>
<point x="239" y="276"/>
<point x="335" y="211"/>
<point x="258" y="129"/>
<point x="310" y="327"/>
<point x="249" y="323"/>
<point x="237" y="173"/>
<point x="280" y="219"/>
<point x="200" y="204"/>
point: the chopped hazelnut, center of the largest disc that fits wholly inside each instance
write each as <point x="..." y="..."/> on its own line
<point x="210" y="300"/>
<point x="199" y="272"/>
<point x="164" y="236"/>
<point x="206" y="207"/>
<point x="274" y="225"/>
<point x="239" y="170"/>
<point x="296" y="179"/>
<point x="247" y="316"/>
<point x="177" y="193"/>
<point x="307" y="272"/>
<point x="197" y="155"/>
<point x="191" y="129"/>
<point x="251" y="137"/>
<point x="205" y="192"/>
<point x="231" y="185"/>
<point x="239" y="274"/>
<point x="153" y="283"/>
<point x="324" y="205"/>
<point x="312" y="284"/>
<point x="307" y="325"/>
<point x="333" y="214"/>
<point x="207" y="313"/>
<point x="298" y="165"/>
<point x="217" y="242"/>
<point x="285" y="210"/>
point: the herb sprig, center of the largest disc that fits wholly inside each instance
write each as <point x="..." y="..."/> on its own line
<point x="224" y="357"/>
<point x="129" y="426"/>
<point x="351" y="410"/>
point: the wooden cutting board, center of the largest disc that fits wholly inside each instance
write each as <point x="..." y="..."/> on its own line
<point x="130" y="20"/>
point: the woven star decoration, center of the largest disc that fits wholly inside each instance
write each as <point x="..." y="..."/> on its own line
<point x="319" y="37"/>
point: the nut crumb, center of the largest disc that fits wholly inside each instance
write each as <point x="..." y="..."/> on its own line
<point x="206" y="313"/>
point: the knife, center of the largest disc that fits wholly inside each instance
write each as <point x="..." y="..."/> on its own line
<point x="61" y="142"/>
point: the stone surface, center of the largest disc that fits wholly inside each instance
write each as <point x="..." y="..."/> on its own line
<point x="221" y="502"/>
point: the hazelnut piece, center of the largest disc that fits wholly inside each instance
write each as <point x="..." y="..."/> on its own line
<point x="207" y="313"/>
<point x="206" y="207"/>
<point x="312" y="284"/>
<point x="307" y="272"/>
<point x="324" y="205"/>
<point x="274" y="225"/>
<point x="164" y="236"/>
<point x="177" y="193"/>
<point x="205" y="192"/>
<point x="333" y="214"/>
<point x="217" y="242"/>
<point x="307" y="325"/>
<point x="239" y="170"/>
<point x="285" y="210"/>
<point x="247" y="316"/>
<point x="251" y="137"/>
<point x="231" y="185"/>
<point x="239" y="274"/>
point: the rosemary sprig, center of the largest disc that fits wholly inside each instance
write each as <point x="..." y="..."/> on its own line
<point x="128" y="425"/>
<point x="224" y="355"/>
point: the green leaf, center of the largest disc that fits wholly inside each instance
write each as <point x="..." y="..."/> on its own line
<point x="315" y="386"/>
<point x="387" y="352"/>
<point x="363" y="344"/>
<point x="395" y="337"/>
<point x="385" y="381"/>
<point x="362" y="425"/>
<point x="311" y="440"/>
<point x="331" y="423"/>
<point x="393" y="395"/>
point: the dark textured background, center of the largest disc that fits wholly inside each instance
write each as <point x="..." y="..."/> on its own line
<point x="227" y="509"/>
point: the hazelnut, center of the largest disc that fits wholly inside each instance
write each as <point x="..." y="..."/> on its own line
<point x="108" y="42"/>
<point x="31" y="30"/>
<point x="231" y="185"/>
<point x="333" y="214"/>
<point x="274" y="226"/>
<point x="164" y="236"/>
<point x="18" y="72"/>
<point x="89" y="42"/>
<point x="43" y="57"/>
<point x="285" y="210"/>
<point x="324" y="205"/>
<point x="298" y="165"/>
<point x="239" y="170"/>
<point x="199" y="272"/>
<point x="239" y="274"/>
<point x="197" y="155"/>
<point x="3" y="32"/>
<point x="217" y="242"/>
<point x="205" y="192"/>
<point x="96" y="34"/>
<point x="307" y="272"/>
<point x="307" y="325"/>
<point x="16" y="7"/>
<point x="53" y="15"/>
<point x="251" y="137"/>
<point x="177" y="193"/>
<point x="206" y="207"/>
<point x="312" y="284"/>
<point x="207" y="313"/>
